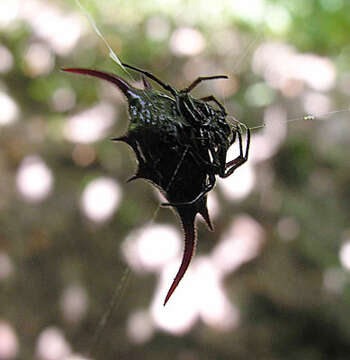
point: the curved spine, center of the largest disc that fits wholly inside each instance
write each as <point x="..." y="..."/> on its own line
<point x="124" y="86"/>
<point x="190" y="246"/>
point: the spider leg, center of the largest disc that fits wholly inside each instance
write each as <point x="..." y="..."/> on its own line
<point x="211" y="184"/>
<point x="200" y="79"/>
<point x="212" y="98"/>
<point x="232" y="165"/>
<point x="154" y="78"/>
<point x="199" y="114"/>
<point x="213" y="167"/>
<point x="191" y="108"/>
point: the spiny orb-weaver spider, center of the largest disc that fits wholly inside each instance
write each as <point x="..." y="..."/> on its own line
<point x="181" y="144"/>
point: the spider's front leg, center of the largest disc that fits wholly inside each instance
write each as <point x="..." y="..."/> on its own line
<point x="213" y="99"/>
<point x="232" y="165"/>
<point x="200" y="79"/>
<point x="188" y="109"/>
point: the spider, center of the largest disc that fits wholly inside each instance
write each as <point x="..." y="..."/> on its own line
<point x="215" y="134"/>
<point x="181" y="144"/>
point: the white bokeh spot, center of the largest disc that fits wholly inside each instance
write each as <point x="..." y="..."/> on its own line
<point x="52" y="345"/>
<point x="186" y="41"/>
<point x="9" y="345"/>
<point x="152" y="247"/>
<point x="344" y="255"/>
<point x="90" y="125"/>
<point x="9" y="109"/>
<point x="100" y="199"/>
<point x="34" y="179"/>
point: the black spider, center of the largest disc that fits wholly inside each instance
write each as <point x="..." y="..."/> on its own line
<point x="181" y="144"/>
<point x="214" y="133"/>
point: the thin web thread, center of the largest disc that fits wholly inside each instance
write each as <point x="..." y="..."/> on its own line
<point x="239" y="61"/>
<point x="309" y="117"/>
<point x="113" y="305"/>
<point x="177" y="168"/>
<point x="112" y="54"/>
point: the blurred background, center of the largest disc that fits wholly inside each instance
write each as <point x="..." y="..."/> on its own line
<point x="272" y="280"/>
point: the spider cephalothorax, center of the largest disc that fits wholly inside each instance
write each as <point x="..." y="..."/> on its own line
<point x="181" y="144"/>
